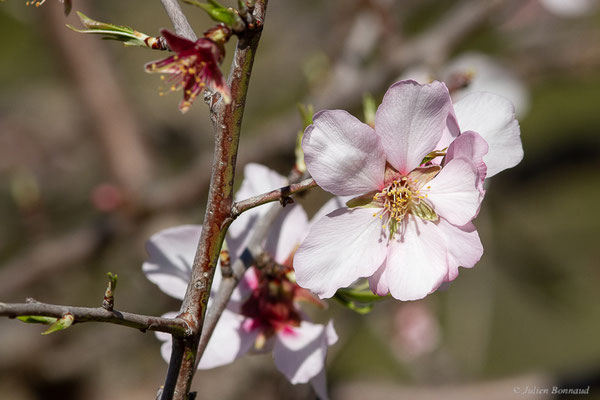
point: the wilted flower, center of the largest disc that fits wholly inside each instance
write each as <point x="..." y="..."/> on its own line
<point x="263" y="314"/>
<point x="408" y="227"/>
<point x="194" y="67"/>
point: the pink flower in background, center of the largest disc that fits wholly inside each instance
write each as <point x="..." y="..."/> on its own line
<point x="416" y="331"/>
<point x="194" y="66"/>
<point x="476" y="72"/>
<point x="408" y="228"/>
<point x="571" y="8"/>
<point x="263" y="314"/>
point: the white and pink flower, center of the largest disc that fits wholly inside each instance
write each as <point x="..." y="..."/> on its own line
<point x="408" y="227"/>
<point x="263" y="314"/>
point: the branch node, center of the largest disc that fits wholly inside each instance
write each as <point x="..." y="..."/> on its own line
<point x="109" y="301"/>
<point x="285" y="200"/>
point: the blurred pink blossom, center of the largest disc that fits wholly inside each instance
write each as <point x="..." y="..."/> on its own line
<point x="416" y="331"/>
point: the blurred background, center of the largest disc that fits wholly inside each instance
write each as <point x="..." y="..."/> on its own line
<point x="93" y="161"/>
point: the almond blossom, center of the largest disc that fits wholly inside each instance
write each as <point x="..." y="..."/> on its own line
<point x="263" y="314"/>
<point x="416" y="183"/>
<point x="194" y="67"/>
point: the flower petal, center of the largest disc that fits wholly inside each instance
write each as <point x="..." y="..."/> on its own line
<point x="167" y="346"/>
<point x="170" y="257"/>
<point x="299" y="353"/>
<point x="464" y="246"/>
<point x="472" y="146"/>
<point x="176" y="43"/>
<point x="416" y="263"/>
<point x="341" y="247"/>
<point x="287" y="232"/>
<point x="493" y="117"/>
<point x="377" y="282"/>
<point x="319" y="385"/>
<point x="258" y="179"/>
<point x="342" y="154"/>
<point x="228" y="342"/>
<point x="330" y="205"/>
<point x="454" y="192"/>
<point x="410" y="122"/>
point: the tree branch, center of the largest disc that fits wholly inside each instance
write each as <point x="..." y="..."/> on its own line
<point x="227" y="120"/>
<point x="280" y="194"/>
<point x="175" y="326"/>
<point x="179" y="20"/>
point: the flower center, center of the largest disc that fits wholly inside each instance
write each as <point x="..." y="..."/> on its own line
<point x="402" y="197"/>
<point x="271" y="307"/>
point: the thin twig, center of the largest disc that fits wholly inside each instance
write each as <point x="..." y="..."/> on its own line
<point x="179" y="20"/>
<point x="280" y="195"/>
<point x="175" y="326"/>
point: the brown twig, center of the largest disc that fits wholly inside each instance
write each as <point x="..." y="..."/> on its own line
<point x="175" y="326"/>
<point x="281" y="195"/>
<point x="227" y="119"/>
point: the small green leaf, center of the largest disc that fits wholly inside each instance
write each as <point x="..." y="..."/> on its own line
<point x="216" y="11"/>
<point x="37" y="319"/>
<point x="113" y="278"/>
<point x="125" y="34"/>
<point x="63" y="323"/>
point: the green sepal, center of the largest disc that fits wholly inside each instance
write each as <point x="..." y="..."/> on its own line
<point x="63" y="323"/>
<point x="125" y="34"/>
<point x="356" y="307"/>
<point x="423" y="211"/>
<point x="369" y="109"/>
<point x="217" y="12"/>
<point x="37" y="319"/>
<point x="422" y="175"/>
<point x="434" y="154"/>
<point x="359" y="299"/>
<point x="363" y="201"/>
